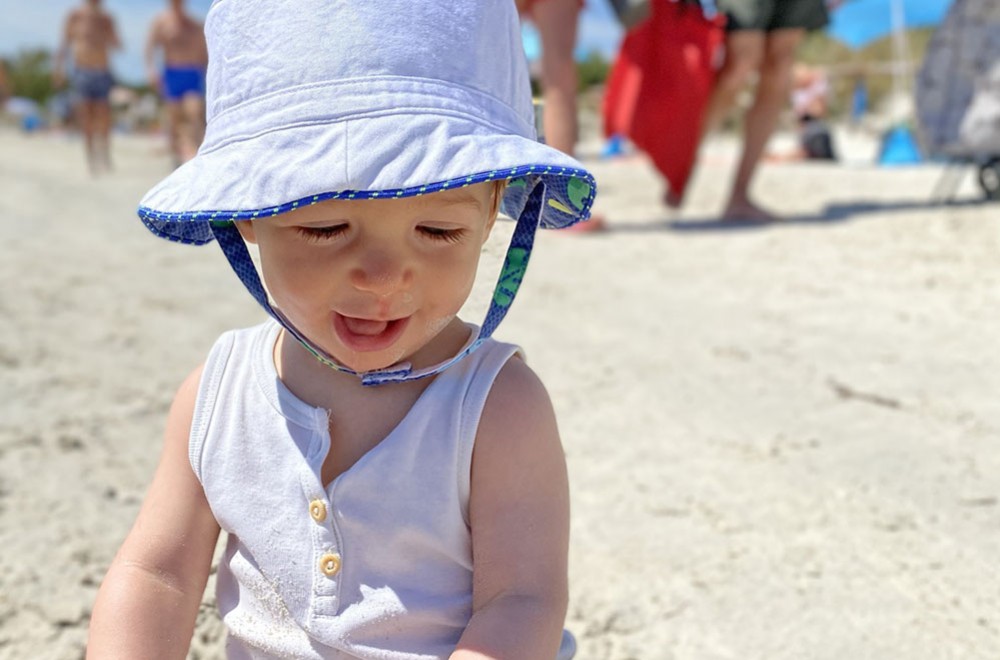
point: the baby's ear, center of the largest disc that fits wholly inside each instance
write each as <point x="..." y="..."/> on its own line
<point x="245" y="228"/>
<point x="499" y="188"/>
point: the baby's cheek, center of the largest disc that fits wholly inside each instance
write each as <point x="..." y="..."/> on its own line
<point x="465" y="277"/>
<point x="296" y="288"/>
<point x="292" y="269"/>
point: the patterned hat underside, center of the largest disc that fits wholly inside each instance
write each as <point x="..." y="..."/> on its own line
<point x="569" y="194"/>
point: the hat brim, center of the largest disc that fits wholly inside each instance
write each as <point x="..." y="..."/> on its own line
<point x="279" y="171"/>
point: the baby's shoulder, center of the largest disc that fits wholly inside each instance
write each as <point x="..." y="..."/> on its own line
<point x="518" y="461"/>
<point x="517" y="400"/>
<point x="237" y="352"/>
<point x="517" y="384"/>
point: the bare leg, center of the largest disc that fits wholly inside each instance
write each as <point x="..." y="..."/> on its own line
<point x="772" y="96"/>
<point x="175" y="119"/>
<point x="744" y="54"/>
<point x="556" y="21"/>
<point x="102" y="134"/>
<point x="193" y="107"/>
<point x="85" y="117"/>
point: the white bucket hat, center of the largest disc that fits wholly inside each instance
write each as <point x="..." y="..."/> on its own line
<point x="310" y="100"/>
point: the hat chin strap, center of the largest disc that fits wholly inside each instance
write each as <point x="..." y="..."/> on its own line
<point x="514" y="266"/>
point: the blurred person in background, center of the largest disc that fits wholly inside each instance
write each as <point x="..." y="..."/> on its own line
<point x="89" y="36"/>
<point x="556" y="22"/>
<point x="762" y="37"/>
<point x="810" y="102"/>
<point x="180" y="40"/>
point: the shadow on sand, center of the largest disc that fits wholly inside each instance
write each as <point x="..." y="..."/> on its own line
<point x="832" y="213"/>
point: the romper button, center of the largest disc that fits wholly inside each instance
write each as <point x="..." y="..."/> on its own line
<point x="330" y="564"/>
<point x="317" y="510"/>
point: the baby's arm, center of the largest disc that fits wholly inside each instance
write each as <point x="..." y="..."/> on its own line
<point x="519" y="512"/>
<point x="148" y="602"/>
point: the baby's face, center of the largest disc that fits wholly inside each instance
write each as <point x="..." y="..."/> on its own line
<point x="372" y="282"/>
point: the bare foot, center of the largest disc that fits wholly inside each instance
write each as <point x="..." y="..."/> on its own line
<point x="747" y="211"/>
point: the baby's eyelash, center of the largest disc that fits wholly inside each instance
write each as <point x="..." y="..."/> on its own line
<point x="322" y="233"/>
<point x="440" y="234"/>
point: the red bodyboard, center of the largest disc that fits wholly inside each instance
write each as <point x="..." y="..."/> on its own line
<point x="661" y="82"/>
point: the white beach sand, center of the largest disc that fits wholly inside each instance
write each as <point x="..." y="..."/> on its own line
<point x="782" y="440"/>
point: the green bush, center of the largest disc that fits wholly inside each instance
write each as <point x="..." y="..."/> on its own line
<point x="592" y="70"/>
<point x="30" y="75"/>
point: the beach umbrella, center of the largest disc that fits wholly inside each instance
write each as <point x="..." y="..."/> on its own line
<point x="857" y="23"/>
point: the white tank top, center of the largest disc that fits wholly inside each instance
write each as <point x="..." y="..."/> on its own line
<point x="376" y="565"/>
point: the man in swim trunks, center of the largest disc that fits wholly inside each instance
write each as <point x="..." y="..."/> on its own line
<point x="89" y="35"/>
<point x="762" y="38"/>
<point x="181" y="39"/>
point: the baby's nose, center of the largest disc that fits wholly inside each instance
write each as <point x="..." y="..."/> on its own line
<point x="381" y="273"/>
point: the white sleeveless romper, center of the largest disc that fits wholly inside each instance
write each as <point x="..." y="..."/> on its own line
<point x="376" y="565"/>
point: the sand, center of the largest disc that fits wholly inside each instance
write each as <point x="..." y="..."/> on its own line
<point x="781" y="439"/>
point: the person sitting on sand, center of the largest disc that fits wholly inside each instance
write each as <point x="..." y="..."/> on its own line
<point x="810" y="92"/>
<point x="391" y="478"/>
<point x="810" y="101"/>
<point x="181" y="81"/>
<point x="89" y="36"/>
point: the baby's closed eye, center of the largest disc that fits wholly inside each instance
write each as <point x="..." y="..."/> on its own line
<point x="442" y="233"/>
<point x="322" y="233"/>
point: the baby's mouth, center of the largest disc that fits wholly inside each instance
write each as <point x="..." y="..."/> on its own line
<point x="362" y="335"/>
<point x="365" y="327"/>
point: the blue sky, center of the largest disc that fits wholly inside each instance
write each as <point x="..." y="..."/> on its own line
<point x="37" y="23"/>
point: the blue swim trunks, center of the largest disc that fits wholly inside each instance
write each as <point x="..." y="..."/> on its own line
<point x="179" y="81"/>
<point x="91" y="84"/>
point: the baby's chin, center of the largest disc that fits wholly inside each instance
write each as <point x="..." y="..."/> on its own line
<point x="364" y="363"/>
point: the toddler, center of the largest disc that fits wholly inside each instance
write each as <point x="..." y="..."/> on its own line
<point x="390" y="478"/>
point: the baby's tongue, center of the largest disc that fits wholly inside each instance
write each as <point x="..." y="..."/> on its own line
<point x="365" y="327"/>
